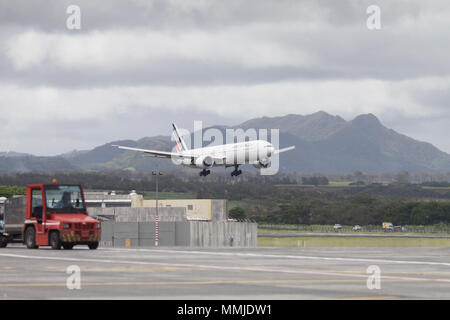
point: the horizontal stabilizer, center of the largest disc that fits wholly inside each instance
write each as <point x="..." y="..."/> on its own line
<point x="284" y="150"/>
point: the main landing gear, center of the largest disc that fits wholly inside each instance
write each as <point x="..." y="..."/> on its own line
<point x="236" y="172"/>
<point x="204" y="173"/>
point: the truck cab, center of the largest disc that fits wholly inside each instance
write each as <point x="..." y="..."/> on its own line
<point x="388" y="226"/>
<point x="56" y="215"/>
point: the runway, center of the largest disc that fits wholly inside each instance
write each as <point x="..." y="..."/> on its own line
<point x="232" y="273"/>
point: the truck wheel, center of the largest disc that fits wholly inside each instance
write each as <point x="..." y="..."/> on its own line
<point x="30" y="238"/>
<point x="3" y="241"/>
<point x="67" y="246"/>
<point x="55" y="241"/>
<point x="93" y="245"/>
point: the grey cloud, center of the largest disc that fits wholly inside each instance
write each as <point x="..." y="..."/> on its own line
<point x="332" y="32"/>
<point x="381" y="56"/>
<point x="341" y="45"/>
<point x="436" y="98"/>
<point x="65" y="135"/>
<point x="50" y="15"/>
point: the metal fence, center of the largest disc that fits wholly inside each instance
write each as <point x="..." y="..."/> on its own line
<point x="445" y="229"/>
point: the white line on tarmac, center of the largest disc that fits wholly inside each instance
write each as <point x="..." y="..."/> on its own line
<point x="259" y="255"/>
<point x="215" y="267"/>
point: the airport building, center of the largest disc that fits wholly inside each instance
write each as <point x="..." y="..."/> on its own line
<point x="109" y="199"/>
<point x="181" y="222"/>
<point x="196" y="209"/>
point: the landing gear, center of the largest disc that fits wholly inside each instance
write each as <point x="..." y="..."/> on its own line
<point x="236" y="172"/>
<point x="204" y="173"/>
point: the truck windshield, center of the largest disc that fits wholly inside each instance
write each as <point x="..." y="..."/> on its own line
<point x="64" y="199"/>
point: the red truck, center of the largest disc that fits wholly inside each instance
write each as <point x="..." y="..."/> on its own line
<point x="49" y="215"/>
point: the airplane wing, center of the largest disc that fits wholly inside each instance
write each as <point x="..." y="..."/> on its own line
<point x="155" y="153"/>
<point x="166" y="154"/>
<point x="284" y="149"/>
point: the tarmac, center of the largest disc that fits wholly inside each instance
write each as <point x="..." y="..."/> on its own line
<point x="227" y="274"/>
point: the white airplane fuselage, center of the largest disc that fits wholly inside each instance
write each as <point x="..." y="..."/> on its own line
<point x="253" y="152"/>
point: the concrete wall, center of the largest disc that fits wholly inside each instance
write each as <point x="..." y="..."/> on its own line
<point x="219" y="210"/>
<point x="180" y="233"/>
<point x="140" y="234"/>
<point x="223" y="234"/>
<point x="135" y="227"/>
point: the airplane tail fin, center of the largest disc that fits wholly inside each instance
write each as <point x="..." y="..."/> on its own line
<point x="181" y="146"/>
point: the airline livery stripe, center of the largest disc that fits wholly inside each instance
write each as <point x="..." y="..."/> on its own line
<point x="178" y="147"/>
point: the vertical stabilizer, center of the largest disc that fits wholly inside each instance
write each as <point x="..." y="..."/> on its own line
<point x="181" y="146"/>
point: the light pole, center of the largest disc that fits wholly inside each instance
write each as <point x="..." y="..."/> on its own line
<point x="157" y="173"/>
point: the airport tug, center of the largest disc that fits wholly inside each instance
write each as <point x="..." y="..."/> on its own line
<point x="49" y="215"/>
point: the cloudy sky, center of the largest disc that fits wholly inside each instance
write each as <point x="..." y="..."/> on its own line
<point x="135" y="66"/>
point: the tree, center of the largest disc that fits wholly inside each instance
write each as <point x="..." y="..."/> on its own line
<point x="9" y="191"/>
<point x="237" y="213"/>
<point x="315" y="181"/>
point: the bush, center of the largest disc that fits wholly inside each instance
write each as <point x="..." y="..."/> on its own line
<point x="315" y="181"/>
<point x="9" y="191"/>
<point x="237" y="213"/>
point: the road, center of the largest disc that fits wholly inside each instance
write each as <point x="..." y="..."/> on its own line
<point x="232" y="273"/>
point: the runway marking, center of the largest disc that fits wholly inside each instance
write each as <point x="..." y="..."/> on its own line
<point x="361" y="298"/>
<point x="258" y="255"/>
<point x="137" y="269"/>
<point x="213" y="282"/>
<point x="216" y="267"/>
<point x="384" y="272"/>
<point x="8" y="268"/>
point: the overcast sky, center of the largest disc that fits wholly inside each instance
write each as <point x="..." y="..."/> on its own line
<point x="135" y="66"/>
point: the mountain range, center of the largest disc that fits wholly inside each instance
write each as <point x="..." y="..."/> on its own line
<point x="324" y="144"/>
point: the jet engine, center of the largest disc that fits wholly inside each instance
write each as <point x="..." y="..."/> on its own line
<point x="262" y="163"/>
<point x="204" y="162"/>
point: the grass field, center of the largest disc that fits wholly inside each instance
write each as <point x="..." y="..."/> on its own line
<point x="331" y="184"/>
<point x="435" y="188"/>
<point x="410" y="229"/>
<point x="350" y="242"/>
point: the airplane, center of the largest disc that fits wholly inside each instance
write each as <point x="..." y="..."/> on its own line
<point x="256" y="152"/>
